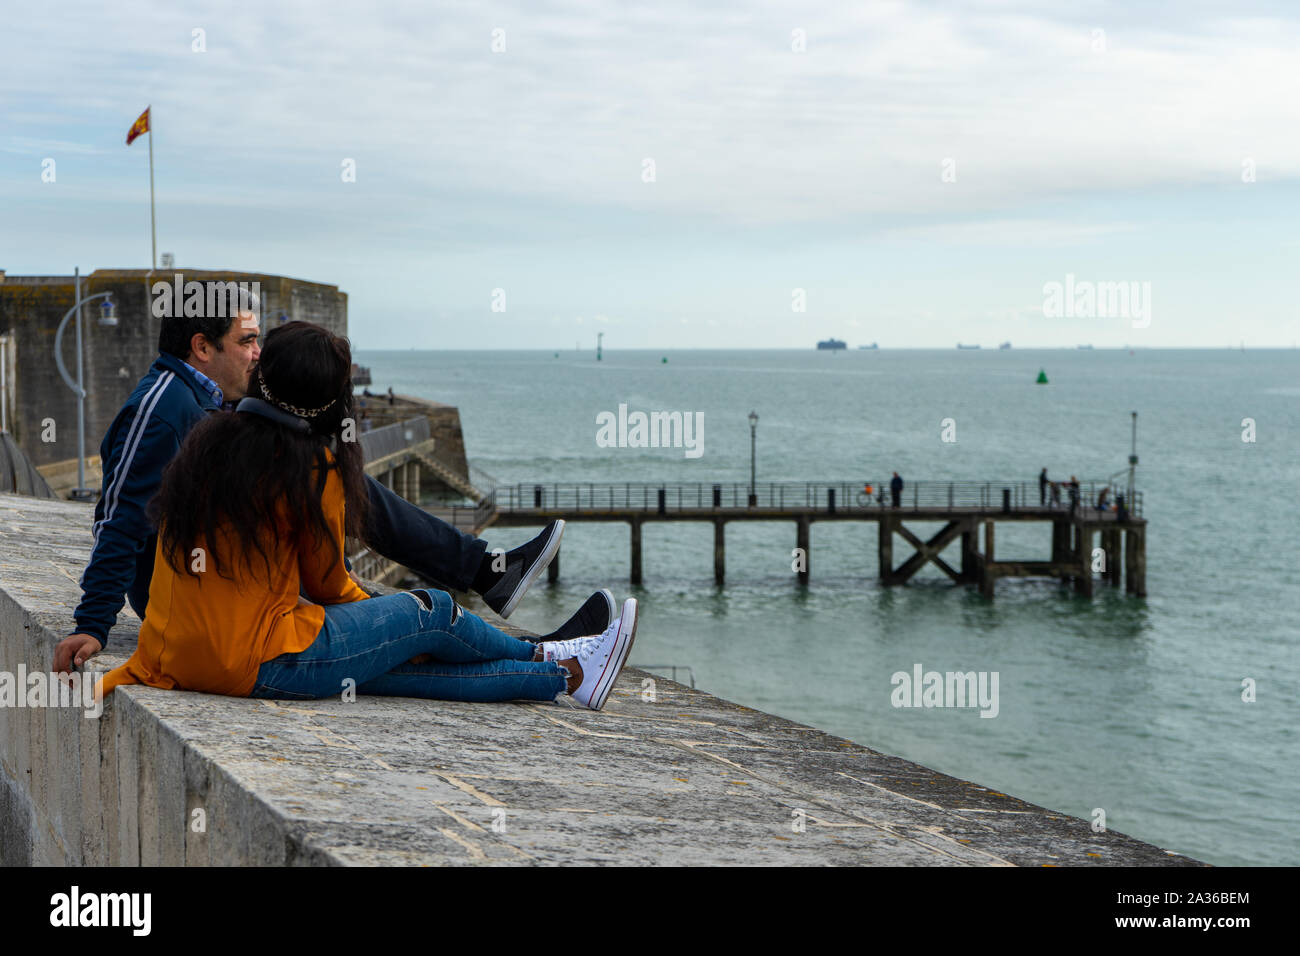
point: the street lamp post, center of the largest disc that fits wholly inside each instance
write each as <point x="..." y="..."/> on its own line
<point x="1132" y="462"/>
<point x="753" y="447"/>
<point x="107" y="318"/>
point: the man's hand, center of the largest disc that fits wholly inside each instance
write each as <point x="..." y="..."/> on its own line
<point x="74" y="651"/>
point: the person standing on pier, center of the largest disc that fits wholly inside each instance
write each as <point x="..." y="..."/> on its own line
<point x="1042" y="487"/>
<point x="1102" y="504"/>
<point x="1073" y="488"/>
<point x="203" y="367"/>
<point x="896" y="489"/>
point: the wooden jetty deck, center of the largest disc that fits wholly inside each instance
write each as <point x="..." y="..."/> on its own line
<point x="1083" y="541"/>
<point x="1081" y="544"/>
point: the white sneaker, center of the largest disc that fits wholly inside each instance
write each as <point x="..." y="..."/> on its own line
<point x="596" y="614"/>
<point x="602" y="658"/>
<point x="563" y="650"/>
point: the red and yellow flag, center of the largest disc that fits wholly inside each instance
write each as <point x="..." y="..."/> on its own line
<point x="140" y="127"/>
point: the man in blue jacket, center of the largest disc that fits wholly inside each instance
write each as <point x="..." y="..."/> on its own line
<point x="203" y="368"/>
<point x="896" y="489"/>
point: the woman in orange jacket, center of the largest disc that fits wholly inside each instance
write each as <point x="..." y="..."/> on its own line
<point x="251" y="516"/>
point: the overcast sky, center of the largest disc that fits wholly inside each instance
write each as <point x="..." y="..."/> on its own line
<point x="919" y="170"/>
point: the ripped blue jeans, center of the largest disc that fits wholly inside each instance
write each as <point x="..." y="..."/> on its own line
<point x="370" y="642"/>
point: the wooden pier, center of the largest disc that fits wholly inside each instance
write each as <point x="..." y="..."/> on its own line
<point x="1082" y="543"/>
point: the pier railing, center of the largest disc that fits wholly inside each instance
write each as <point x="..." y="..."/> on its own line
<point x="473" y="515"/>
<point x="781" y="496"/>
<point x="481" y="480"/>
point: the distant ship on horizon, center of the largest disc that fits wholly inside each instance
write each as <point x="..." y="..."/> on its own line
<point x="873" y="345"/>
<point x="1004" y="346"/>
<point x="960" y="346"/>
<point x="832" y="344"/>
<point x="1083" y="346"/>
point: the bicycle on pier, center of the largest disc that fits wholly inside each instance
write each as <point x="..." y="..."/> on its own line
<point x="865" y="496"/>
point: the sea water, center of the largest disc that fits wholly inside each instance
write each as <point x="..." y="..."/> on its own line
<point x="1130" y="706"/>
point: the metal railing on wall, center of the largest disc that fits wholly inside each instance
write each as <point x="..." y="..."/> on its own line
<point x="390" y="439"/>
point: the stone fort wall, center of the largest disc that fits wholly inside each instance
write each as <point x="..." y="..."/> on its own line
<point x="115" y="357"/>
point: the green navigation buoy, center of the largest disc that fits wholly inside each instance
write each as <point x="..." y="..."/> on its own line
<point x="664" y="360"/>
<point x="1042" y="377"/>
<point x="557" y="354"/>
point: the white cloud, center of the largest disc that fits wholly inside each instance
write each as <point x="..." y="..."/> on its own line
<point x="1017" y="232"/>
<point x="740" y="127"/>
<point x="525" y="167"/>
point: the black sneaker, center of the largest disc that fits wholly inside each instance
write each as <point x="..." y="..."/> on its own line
<point x="594" y="617"/>
<point x="523" y="565"/>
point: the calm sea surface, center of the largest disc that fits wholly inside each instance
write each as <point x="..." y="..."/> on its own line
<point x="1133" y="706"/>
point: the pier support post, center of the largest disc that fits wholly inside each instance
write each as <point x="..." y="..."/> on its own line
<point x="1128" y="561"/>
<point x="986" y="570"/>
<point x="1060" y="542"/>
<point x="636" y="552"/>
<point x="1111" y="545"/>
<point x="970" y="552"/>
<point x="719" y="552"/>
<point x="801" y="542"/>
<point x="1083" y="560"/>
<point x="885" y="549"/>
<point x="1141" y="562"/>
<point x="1135" y="562"/>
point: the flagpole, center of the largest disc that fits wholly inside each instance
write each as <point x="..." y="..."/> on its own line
<point x="153" y="228"/>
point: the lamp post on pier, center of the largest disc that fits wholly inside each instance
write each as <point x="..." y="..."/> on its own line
<point x="106" y="318"/>
<point x="753" y="453"/>
<point x="1132" y="462"/>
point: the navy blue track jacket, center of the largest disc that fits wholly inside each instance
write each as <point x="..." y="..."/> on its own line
<point x="146" y="435"/>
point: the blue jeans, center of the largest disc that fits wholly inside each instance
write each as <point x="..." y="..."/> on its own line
<point x="371" y="641"/>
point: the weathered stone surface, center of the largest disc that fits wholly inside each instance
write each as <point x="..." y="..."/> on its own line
<point x="685" y="778"/>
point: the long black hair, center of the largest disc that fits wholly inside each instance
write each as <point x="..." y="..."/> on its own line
<point x="254" y="474"/>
